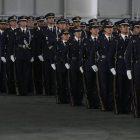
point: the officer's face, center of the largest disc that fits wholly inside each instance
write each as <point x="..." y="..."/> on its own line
<point x="50" y="20"/>
<point x="23" y="24"/>
<point x="77" y="23"/>
<point x="30" y="24"/>
<point x="13" y="23"/>
<point x="114" y="30"/>
<point x="67" y="26"/>
<point x="136" y="30"/>
<point x="78" y="34"/>
<point x="65" y="37"/>
<point x="84" y="28"/>
<point x="100" y="28"/>
<point x="87" y="29"/>
<point x="108" y="30"/>
<point x="94" y="31"/>
<point x="2" y="26"/>
<point x="124" y="29"/>
<point x="40" y="23"/>
<point x="62" y="26"/>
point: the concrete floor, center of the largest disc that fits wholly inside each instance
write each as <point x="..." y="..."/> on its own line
<point x="39" y="118"/>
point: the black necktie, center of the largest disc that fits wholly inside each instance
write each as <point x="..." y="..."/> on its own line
<point x="51" y="29"/>
<point x="126" y="38"/>
<point x="95" y="40"/>
<point x="78" y="41"/>
<point x="109" y="39"/>
<point x="23" y="32"/>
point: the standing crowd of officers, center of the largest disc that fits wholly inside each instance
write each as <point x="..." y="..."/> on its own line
<point x="99" y="61"/>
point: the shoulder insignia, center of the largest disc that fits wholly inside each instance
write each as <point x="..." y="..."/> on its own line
<point x="90" y="39"/>
<point x="104" y="37"/>
<point x="15" y="33"/>
<point x="69" y="43"/>
<point x="54" y="28"/>
<point x="47" y="28"/>
<point x="61" y="42"/>
<point x="120" y="37"/>
<point x="19" y="30"/>
<point x="27" y="31"/>
<point x="74" y="39"/>
<point x="85" y="44"/>
<point x="10" y="30"/>
<point x="139" y="36"/>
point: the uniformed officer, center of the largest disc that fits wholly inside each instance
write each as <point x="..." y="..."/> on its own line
<point x="105" y="76"/>
<point x="67" y="24"/>
<point x="57" y="52"/>
<point x="74" y="49"/>
<point x="38" y="59"/>
<point x="30" y="22"/>
<point x="77" y="22"/>
<point x="118" y="47"/>
<point x="61" y="25"/>
<point x="2" y="74"/>
<point x="6" y="50"/>
<point x="45" y="45"/>
<point x="24" y="51"/>
<point x="132" y="58"/>
<point x="83" y="25"/>
<point x="86" y="47"/>
<point x="50" y="22"/>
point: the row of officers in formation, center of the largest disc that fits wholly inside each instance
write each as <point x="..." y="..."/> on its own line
<point x="99" y="61"/>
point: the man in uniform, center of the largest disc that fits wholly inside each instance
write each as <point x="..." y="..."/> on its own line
<point x="119" y="46"/>
<point x="3" y="61"/>
<point x="24" y="50"/>
<point x="5" y="49"/>
<point x="105" y="76"/>
<point x="132" y="58"/>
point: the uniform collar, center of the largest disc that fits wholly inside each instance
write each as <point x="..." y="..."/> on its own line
<point x="77" y="38"/>
<point x="23" y="29"/>
<point x="50" y="27"/>
<point x="107" y="36"/>
<point x="38" y="28"/>
<point x="1" y="31"/>
<point x="94" y="37"/>
<point x="13" y="28"/>
<point x="123" y="36"/>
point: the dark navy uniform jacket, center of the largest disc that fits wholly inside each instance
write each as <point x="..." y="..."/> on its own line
<point x="121" y="49"/>
<point x="0" y="52"/>
<point x="102" y="47"/>
<point x="86" y="47"/>
<point x="57" y="53"/>
<point x="136" y="54"/>
<point x="17" y="38"/>
<point x="45" y="42"/>
<point x="6" y="40"/>
<point x="74" y="49"/>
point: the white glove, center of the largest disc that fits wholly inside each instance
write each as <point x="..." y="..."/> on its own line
<point x="53" y="66"/>
<point x="32" y="59"/>
<point x="41" y="58"/>
<point x="113" y="71"/>
<point x="12" y="58"/>
<point x="129" y="74"/>
<point x="3" y="59"/>
<point x="67" y="66"/>
<point x="81" y="69"/>
<point x="94" y="67"/>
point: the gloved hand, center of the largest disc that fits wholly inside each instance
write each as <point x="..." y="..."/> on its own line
<point x="129" y="74"/>
<point x="53" y="66"/>
<point x="94" y="67"/>
<point x="113" y="71"/>
<point x="3" y="59"/>
<point x="32" y="59"/>
<point x="81" y="69"/>
<point x="67" y="66"/>
<point x="41" y="58"/>
<point x="12" y="58"/>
